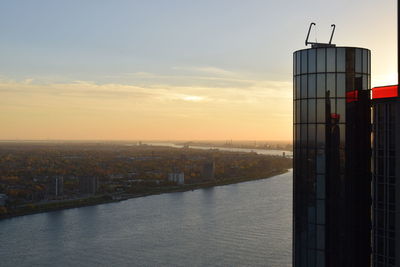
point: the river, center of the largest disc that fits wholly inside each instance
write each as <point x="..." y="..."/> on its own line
<point x="272" y="152"/>
<point x="245" y="224"/>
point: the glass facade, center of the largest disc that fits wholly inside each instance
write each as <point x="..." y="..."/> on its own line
<point x="331" y="157"/>
<point x="386" y="185"/>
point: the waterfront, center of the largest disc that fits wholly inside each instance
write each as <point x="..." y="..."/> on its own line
<point x="260" y="151"/>
<point x="235" y="225"/>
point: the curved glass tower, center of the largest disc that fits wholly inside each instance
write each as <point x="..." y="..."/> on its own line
<point x="332" y="195"/>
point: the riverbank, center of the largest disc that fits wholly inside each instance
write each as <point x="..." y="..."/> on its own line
<point x="103" y="199"/>
<point x="234" y="146"/>
<point x="261" y="151"/>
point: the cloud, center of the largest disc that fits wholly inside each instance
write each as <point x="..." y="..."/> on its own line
<point x="151" y="108"/>
<point x="187" y="76"/>
<point x="193" y="98"/>
<point x="207" y="70"/>
<point x="238" y="89"/>
<point x="260" y="99"/>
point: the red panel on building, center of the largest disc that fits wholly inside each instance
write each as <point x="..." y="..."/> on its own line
<point x="384" y="91"/>
<point x="351" y="96"/>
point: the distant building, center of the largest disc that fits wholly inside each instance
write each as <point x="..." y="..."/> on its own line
<point x="88" y="184"/>
<point x="57" y="186"/>
<point x="117" y="176"/>
<point x="3" y="199"/>
<point x="177" y="177"/>
<point x="208" y="170"/>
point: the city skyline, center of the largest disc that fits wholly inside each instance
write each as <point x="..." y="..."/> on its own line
<point x="156" y="70"/>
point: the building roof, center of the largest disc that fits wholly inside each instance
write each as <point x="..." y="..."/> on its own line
<point x="385" y="91"/>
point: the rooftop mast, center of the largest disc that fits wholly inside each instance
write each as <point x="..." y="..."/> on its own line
<point x="316" y="44"/>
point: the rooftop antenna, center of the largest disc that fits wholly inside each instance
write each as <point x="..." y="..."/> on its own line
<point x="308" y="34"/>
<point x="333" y="31"/>
<point x="316" y="44"/>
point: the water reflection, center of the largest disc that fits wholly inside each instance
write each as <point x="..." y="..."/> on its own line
<point x="235" y="225"/>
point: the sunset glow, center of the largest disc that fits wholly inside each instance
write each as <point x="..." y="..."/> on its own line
<point x="132" y="71"/>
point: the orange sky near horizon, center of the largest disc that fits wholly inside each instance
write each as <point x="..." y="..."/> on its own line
<point x="144" y="73"/>
<point x="164" y="113"/>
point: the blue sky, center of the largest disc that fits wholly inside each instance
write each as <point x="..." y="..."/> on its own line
<point x="96" y="38"/>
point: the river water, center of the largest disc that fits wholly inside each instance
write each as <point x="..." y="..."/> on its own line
<point x="272" y="152"/>
<point x="245" y="224"/>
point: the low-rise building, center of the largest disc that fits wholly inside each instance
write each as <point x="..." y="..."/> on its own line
<point x="3" y="199"/>
<point x="57" y="186"/>
<point x="177" y="177"/>
<point x="208" y="171"/>
<point x="88" y="184"/>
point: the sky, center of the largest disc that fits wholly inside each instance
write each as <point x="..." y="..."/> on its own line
<point x="170" y="69"/>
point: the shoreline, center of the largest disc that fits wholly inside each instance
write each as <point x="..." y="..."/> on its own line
<point x="104" y="199"/>
<point x="216" y="146"/>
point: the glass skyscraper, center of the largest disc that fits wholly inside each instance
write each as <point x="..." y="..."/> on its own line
<point x="332" y="155"/>
<point x="385" y="173"/>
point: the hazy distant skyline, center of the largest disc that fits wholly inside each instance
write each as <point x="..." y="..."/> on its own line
<point x="125" y="70"/>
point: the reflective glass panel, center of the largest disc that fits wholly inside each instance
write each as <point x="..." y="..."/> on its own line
<point x="297" y="133"/>
<point x="303" y="138"/>
<point x="369" y="81"/>
<point x="297" y="87"/>
<point x="303" y="89"/>
<point x="342" y="128"/>
<point x="332" y="105"/>
<point x="365" y="61"/>
<point x="321" y="60"/>
<point x="303" y="118"/>
<point x="320" y="157"/>
<point x="321" y="237"/>
<point x="341" y="109"/>
<point x="369" y="62"/>
<point x="320" y="261"/>
<point x="365" y="82"/>
<point x="321" y="186"/>
<point x="321" y="110"/>
<point x="311" y="85"/>
<point x="311" y="110"/>
<point x="311" y="138"/>
<point x="330" y="60"/>
<point x="321" y="135"/>
<point x="294" y="121"/>
<point x="312" y="63"/>
<point x="341" y="59"/>
<point x="358" y="82"/>
<point x="312" y="229"/>
<point x="304" y="60"/>
<point x="321" y="211"/>
<point x="341" y="85"/>
<point x="294" y="63"/>
<point x="349" y="83"/>
<point x="298" y="61"/>
<point x="320" y="85"/>
<point x="297" y="111"/>
<point x="358" y="60"/>
<point x="350" y="59"/>
<point x="331" y="84"/>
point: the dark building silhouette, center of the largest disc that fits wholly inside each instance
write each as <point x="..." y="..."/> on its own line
<point x="332" y="152"/>
<point x="88" y="185"/>
<point x="208" y="171"/>
<point x="56" y="186"/>
<point x="386" y="175"/>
